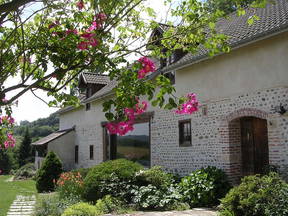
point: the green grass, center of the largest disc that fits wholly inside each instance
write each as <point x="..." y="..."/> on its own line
<point x="9" y="190"/>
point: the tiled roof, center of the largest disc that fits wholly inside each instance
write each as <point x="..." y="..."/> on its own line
<point x="95" y="78"/>
<point x="52" y="137"/>
<point x="105" y="91"/>
<point x="273" y="18"/>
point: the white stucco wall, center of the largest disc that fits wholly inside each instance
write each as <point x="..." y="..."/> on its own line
<point x="88" y="132"/>
<point x="64" y="148"/>
<point x="257" y="66"/>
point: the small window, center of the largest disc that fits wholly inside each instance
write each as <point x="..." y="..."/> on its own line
<point x="76" y="153"/>
<point x="88" y="106"/>
<point x="91" y="150"/>
<point x="185" y="133"/>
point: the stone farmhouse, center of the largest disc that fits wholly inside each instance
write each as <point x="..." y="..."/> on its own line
<point x="242" y="126"/>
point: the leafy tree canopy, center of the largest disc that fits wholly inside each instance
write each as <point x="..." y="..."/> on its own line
<point x="48" y="48"/>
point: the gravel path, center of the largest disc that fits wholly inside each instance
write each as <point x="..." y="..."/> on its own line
<point x="22" y="206"/>
<point x="193" y="212"/>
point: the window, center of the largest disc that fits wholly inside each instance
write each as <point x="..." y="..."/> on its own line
<point x="134" y="146"/>
<point x="88" y="106"/>
<point x="76" y="153"/>
<point x="91" y="150"/>
<point x="185" y="133"/>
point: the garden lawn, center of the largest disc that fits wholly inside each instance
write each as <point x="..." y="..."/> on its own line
<point x="9" y="190"/>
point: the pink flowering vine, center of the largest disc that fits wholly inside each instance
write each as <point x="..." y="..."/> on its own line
<point x="6" y="123"/>
<point x="190" y="106"/>
<point x="147" y="66"/>
<point x="123" y="127"/>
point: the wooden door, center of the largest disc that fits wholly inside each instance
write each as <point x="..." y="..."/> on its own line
<point x="254" y="145"/>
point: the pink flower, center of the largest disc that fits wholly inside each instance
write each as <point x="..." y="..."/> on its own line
<point x="111" y="127"/>
<point x="130" y="113"/>
<point x="83" y="45"/>
<point x="94" y="26"/>
<point x="80" y="5"/>
<point x="71" y="31"/>
<point x="93" y="42"/>
<point x="191" y="105"/>
<point x="87" y="35"/>
<point x="141" y="107"/>
<point x="147" y="67"/>
<point x="11" y="120"/>
<point x="101" y="17"/>
<point x="6" y="144"/>
<point x="141" y="74"/>
<point x="124" y="127"/>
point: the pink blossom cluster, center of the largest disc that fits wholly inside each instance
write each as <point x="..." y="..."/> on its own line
<point x="147" y="67"/>
<point x="10" y="141"/>
<point x="88" y="40"/>
<point x="7" y="119"/>
<point x="123" y="127"/>
<point x="191" y="105"/>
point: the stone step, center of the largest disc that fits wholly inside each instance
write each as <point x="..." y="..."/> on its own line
<point x="22" y="207"/>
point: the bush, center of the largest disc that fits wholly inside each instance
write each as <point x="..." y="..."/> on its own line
<point x="25" y="172"/>
<point x="111" y="177"/>
<point x="81" y="209"/>
<point x="51" y="204"/>
<point x="150" y="197"/>
<point x="204" y="187"/>
<point x="83" y="171"/>
<point x="70" y="184"/>
<point x="256" y="195"/>
<point x="109" y="204"/>
<point x="154" y="176"/>
<point x="48" y="173"/>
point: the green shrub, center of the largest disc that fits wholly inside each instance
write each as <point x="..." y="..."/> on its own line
<point x="154" y="176"/>
<point x="152" y="198"/>
<point x="111" y="177"/>
<point x="25" y="172"/>
<point x="81" y="209"/>
<point x="48" y="173"/>
<point x="70" y="184"/>
<point x="83" y="171"/>
<point x="256" y="195"/>
<point x="204" y="187"/>
<point x="51" y="204"/>
<point x="109" y="204"/>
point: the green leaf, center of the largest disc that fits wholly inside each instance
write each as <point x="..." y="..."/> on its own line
<point x="109" y="116"/>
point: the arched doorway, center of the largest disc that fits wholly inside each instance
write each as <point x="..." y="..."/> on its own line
<point x="254" y="145"/>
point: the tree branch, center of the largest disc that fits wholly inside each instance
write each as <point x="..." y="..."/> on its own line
<point x="13" y="5"/>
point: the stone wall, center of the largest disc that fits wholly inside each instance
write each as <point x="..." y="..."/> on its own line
<point x="216" y="136"/>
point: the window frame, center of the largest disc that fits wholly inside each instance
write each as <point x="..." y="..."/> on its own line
<point x="181" y="128"/>
<point x="76" y="154"/>
<point x="91" y="152"/>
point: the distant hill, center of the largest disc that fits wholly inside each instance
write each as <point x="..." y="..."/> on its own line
<point x="38" y="128"/>
<point x="134" y="140"/>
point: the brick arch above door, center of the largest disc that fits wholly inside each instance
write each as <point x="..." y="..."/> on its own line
<point x="244" y="112"/>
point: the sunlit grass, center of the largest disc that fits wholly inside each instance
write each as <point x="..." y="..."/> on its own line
<point x="9" y="190"/>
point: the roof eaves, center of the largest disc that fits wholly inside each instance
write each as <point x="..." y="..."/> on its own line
<point x="179" y="65"/>
<point x="56" y="137"/>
